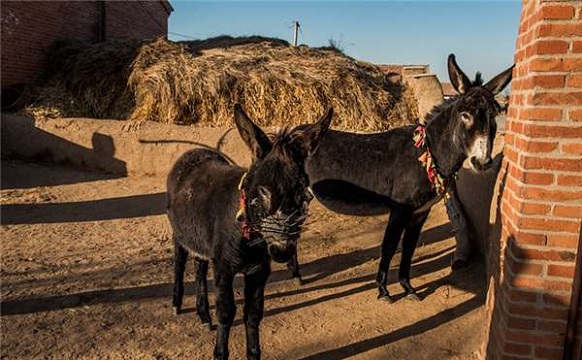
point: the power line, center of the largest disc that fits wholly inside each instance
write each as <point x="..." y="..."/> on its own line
<point x="182" y="35"/>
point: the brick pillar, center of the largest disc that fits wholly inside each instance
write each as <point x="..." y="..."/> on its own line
<point x="540" y="205"/>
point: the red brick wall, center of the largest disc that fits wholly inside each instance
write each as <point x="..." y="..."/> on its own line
<point x="540" y="206"/>
<point x="28" y="27"/>
<point x="135" y="19"/>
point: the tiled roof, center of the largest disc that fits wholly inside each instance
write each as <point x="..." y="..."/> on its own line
<point x="167" y="6"/>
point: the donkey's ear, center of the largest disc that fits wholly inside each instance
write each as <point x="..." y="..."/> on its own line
<point x="499" y="82"/>
<point x="314" y="133"/>
<point x="251" y="134"/>
<point x="458" y="78"/>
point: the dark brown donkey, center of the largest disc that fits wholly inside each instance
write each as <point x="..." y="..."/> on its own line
<point x="240" y="219"/>
<point x="405" y="170"/>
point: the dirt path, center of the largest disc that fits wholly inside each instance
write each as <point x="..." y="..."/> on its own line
<point x="87" y="272"/>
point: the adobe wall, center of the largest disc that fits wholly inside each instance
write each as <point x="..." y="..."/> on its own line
<point x="105" y="145"/>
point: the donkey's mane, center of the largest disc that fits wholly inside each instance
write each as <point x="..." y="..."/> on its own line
<point x="478" y="79"/>
<point x="437" y="110"/>
<point x="282" y="139"/>
<point x="286" y="151"/>
<point x="281" y="136"/>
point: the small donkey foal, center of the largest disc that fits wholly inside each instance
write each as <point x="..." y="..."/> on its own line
<point x="240" y="219"/>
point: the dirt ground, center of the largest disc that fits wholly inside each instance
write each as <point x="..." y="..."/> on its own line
<point x="87" y="273"/>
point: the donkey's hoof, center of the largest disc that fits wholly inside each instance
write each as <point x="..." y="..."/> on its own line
<point x="298" y="281"/>
<point x="386" y="298"/>
<point x="413" y="297"/>
<point x="177" y="310"/>
<point x="208" y="326"/>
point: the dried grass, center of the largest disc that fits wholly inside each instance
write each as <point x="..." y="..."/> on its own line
<point x="87" y="80"/>
<point x="198" y="83"/>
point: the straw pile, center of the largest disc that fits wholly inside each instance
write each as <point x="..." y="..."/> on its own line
<point x="198" y="83"/>
<point x="87" y="80"/>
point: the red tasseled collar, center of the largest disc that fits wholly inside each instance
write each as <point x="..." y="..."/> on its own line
<point x="241" y="213"/>
<point x="438" y="182"/>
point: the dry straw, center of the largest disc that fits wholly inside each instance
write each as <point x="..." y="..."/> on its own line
<point x="87" y="80"/>
<point x="198" y="82"/>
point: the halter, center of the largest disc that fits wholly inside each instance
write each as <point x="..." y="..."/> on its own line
<point x="438" y="182"/>
<point x="241" y="215"/>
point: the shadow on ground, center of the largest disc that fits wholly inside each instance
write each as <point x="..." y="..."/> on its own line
<point x="94" y="210"/>
<point x="422" y="266"/>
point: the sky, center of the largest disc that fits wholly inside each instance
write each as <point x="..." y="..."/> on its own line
<point x="480" y="33"/>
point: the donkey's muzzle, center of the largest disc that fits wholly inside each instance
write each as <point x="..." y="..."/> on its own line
<point x="281" y="246"/>
<point x="281" y="254"/>
<point x="281" y="233"/>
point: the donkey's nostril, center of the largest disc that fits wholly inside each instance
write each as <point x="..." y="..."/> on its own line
<point x="474" y="163"/>
<point x="280" y="254"/>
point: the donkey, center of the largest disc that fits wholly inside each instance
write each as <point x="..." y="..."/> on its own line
<point x="405" y="170"/>
<point x="240" y="219"/>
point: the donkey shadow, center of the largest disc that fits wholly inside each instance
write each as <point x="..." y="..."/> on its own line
<point x="324" y="267"/>
<point x="422" y="265"/>
<point x="317" y="270"/>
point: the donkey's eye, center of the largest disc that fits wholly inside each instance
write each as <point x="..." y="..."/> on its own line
<point x="255" y="203"/>
<point x="466" y="118"/>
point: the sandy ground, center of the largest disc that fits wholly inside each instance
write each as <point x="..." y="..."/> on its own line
<point x="87" y="273"/>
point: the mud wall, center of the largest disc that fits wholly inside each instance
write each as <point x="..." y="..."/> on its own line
<point x="105" y="145"/>
<point x="151" y="150"/>
<point x="427" y="90"/>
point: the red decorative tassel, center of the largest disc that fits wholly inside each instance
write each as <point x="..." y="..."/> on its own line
<point x="241" y="216"/>
<point x="439" y="184"/>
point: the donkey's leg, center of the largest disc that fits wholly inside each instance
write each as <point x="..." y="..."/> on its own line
<point x="392" y="236"/>
<point x="253" y="308"/>
<point x="225" y="308"/>
<point x="458" y="220"/>
<point x="180" y="258"/>
<point x="202" y="306"/>
<point x="409" y="242"/>
<point x="293" y="266"/>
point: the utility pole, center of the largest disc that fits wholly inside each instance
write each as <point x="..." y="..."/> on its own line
<point x="295" y="31"/>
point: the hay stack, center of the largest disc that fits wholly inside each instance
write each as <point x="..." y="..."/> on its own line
<point x="87" y="80"/>
<point x="198" y="83"/>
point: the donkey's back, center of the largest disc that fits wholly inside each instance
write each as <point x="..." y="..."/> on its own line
<point x="202" y="200"/>
<point x="406" y="168"/>
<point x="361" y="174"/>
